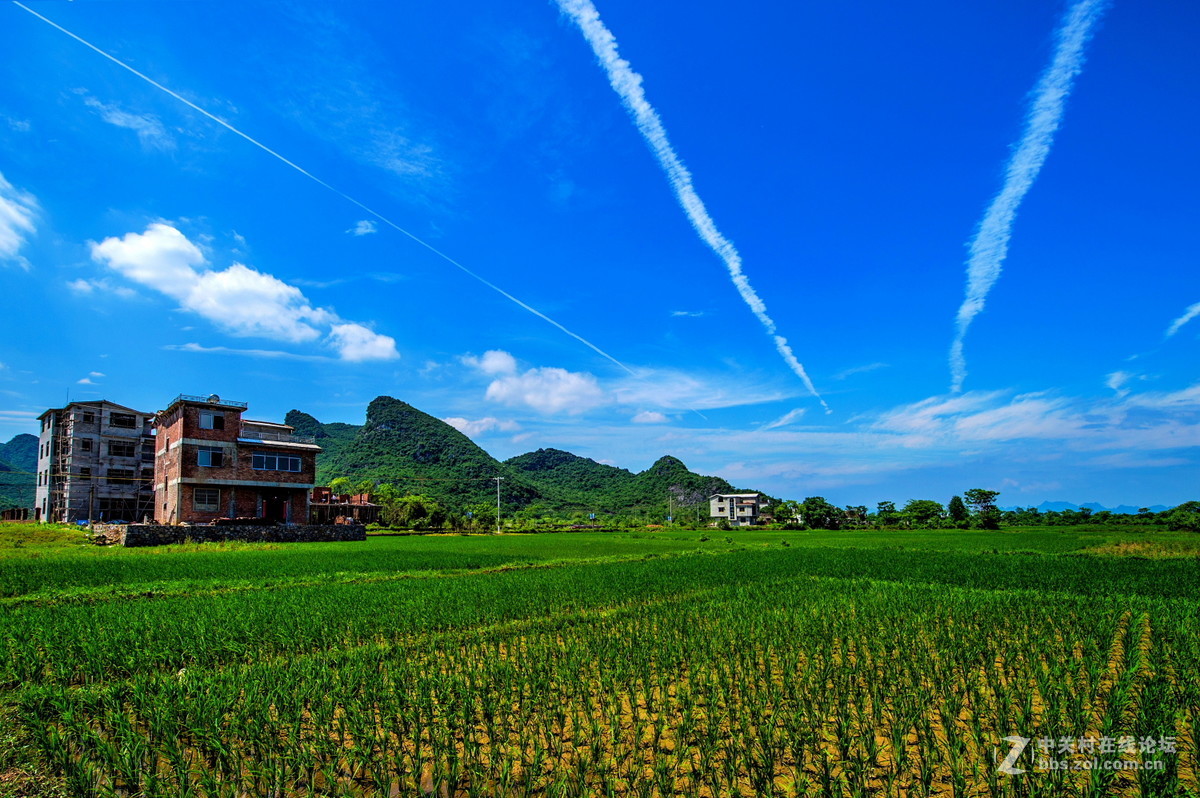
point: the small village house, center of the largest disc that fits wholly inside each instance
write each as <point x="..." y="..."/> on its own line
<point x="739" y="509"/>
<point x="211" y="463"/>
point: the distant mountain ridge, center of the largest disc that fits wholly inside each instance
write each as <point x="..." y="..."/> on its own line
<point x="1122" y="509"/>
<point x="419" y="453"/>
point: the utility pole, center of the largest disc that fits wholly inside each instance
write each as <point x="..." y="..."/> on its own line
<point x="498" y="480"/>
<point x="670" y="507"/>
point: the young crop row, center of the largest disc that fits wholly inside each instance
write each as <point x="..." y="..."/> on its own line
<point x="114" y="639"/>
<point x="782" y="685"/>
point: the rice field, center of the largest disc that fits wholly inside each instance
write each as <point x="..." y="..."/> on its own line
<point x="665" y="664"/>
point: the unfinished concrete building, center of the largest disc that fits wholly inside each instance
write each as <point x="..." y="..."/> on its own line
<point x="212" y="464"/>
<point x="95" y="463"/>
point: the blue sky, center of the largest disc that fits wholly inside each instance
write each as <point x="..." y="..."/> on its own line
<point x="845" y="154"/>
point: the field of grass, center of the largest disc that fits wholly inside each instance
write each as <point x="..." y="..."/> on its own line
<point x="630" y="664"/>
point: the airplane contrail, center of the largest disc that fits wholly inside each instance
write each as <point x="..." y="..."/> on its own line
<point x="990" y="245"/>
<point x="321" y="182"/>
<point x="628" y="86"/>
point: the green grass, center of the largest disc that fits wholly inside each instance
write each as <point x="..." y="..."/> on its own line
<point x="206" y="669"/>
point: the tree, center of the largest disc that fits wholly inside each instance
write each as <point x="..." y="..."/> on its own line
<point x="923" y="512"/>
<point x="1185" y="517"/>
<point x="412" y="512"/>
<point x="820" y="514"/>
<point x="885" y="513"/>
<point x="958" y="512"/>
<point x="340" y="485"/>
<point x="984" y="504"/>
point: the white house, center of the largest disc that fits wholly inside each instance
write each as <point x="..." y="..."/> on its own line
<point x="739" y="509"/>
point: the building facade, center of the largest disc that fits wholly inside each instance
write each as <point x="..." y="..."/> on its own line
<point x="739" y="509"/>
<point x="212" y="463"/>
<point x="95" y="463"/>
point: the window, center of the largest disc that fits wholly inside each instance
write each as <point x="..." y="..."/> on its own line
<point x="85" y="445"/>
<point x="120" y="476"/>
<point x="211" y="420"/>
<point x="206" y="500"/>
<point x="123" y="420"/>
<point x="276" y="462"/>
<point x="210" y="458"/>
<point x="85" y="472"/>
<point x="87" y="418"/>
<point x="121" y="449"/>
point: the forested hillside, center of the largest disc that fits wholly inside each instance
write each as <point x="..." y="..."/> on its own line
<point x="421" y="454"/>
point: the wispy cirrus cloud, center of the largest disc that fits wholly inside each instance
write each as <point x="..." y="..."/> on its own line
<point x="790" y="417"/>
<point x="150" y="130"/>
<point x="989" y="247"/>
<point x="18" y="210"/>
<point x="850" y="372"/>
<point x="267" y="354"/>
<point x="628" y="86"/>
<point x="240" y="300"/>
<point x="1192" y="312"/>
<point x="363" y="227"/>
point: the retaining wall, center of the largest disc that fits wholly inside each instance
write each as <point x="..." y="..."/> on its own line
<point x="162" y="535"/>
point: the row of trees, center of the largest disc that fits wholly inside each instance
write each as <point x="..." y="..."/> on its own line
<point x="975" y="508"/>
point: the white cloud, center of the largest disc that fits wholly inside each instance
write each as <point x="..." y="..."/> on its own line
<point x="100" y="286"/>
<point x="493" y="362"/>
<point x="473" y="429"/>
<point x="356" y="343"/>
<point x="97" y="374"/>
<point x="17" y="212"/>
<point x="239" y="299"/>
<point x="1192" y="312"/>
<point x="150" y="131"/>
<point x="161" y="258"/>
<point x="787" y="418"/>
<point x="548" y="390"/>
<point x="649" y="417"/>
<point x="691" y="314"/>
<point x="249" y="303"/>
<point x="364" y="227"/>
<point x="84" y="381"/>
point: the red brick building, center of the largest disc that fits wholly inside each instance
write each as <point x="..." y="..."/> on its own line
<point x="211" y="463"/>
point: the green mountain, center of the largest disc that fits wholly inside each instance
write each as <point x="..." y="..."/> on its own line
<point x="21" y="452"/>
<point x="419" y="453"/>
<point x="416" y="452"/>
<point x="18" y="462"/>
<point x="586" y="483"/>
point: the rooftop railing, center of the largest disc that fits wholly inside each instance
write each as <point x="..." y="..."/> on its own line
<point x="282" y="437"/>
<point x="209" y="400"/>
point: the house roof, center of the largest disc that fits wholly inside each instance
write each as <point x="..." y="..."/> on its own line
<point x="735" y="496"/>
